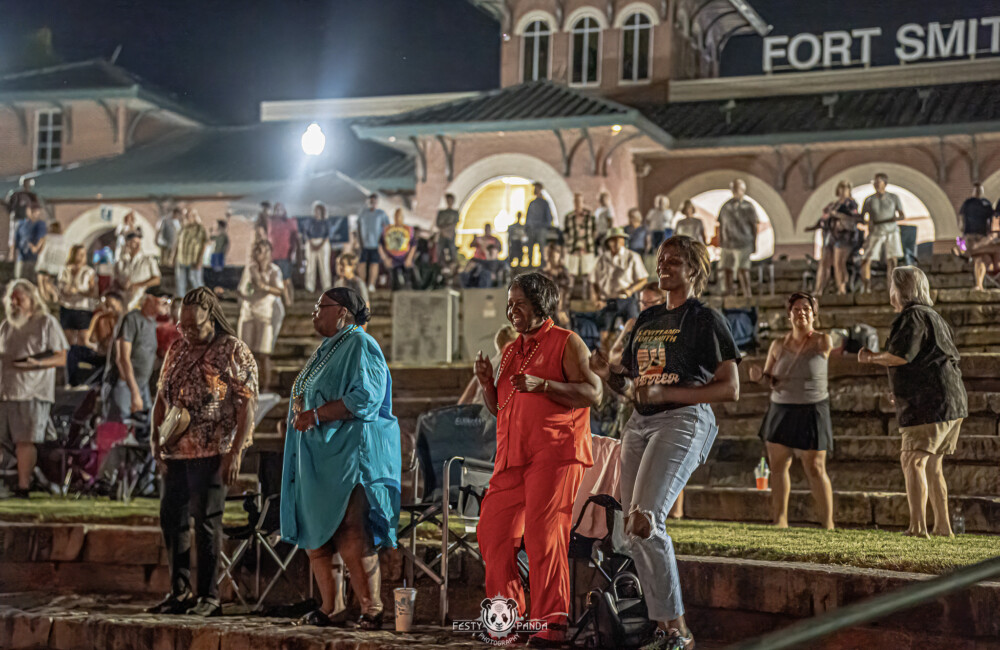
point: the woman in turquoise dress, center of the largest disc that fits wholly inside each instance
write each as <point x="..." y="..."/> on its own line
<point x="341" y="479"/>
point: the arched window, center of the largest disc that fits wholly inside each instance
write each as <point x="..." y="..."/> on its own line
<point x="586" y="51"/>
<point x="536" y="51"/>
<point x="636" y="38"/>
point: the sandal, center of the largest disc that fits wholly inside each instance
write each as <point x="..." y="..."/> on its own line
<point x="318" y="618"/>
<point x="371" y="622"/>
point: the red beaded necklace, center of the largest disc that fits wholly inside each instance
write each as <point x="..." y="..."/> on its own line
<point x="527" y="360"/>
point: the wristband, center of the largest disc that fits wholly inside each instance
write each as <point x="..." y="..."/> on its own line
<point x="316" y="417"/>
<point x="545" y="386"/>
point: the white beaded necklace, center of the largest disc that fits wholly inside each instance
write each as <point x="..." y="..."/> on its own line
<point x="302" y="381"/>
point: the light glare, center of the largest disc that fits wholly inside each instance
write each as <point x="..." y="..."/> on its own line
<point x="313" y="140"/>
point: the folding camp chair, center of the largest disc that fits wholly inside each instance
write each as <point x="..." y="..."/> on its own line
<point x="256" y="536"/>
<point x="745" y="327"/>
<point x="765" y="266"/>
<point x="453" y="453"/>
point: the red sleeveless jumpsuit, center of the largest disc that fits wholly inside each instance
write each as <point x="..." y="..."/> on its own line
<point x="543" y="449"/>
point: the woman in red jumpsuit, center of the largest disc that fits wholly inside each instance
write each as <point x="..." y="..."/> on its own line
<point x="542" y="397"/>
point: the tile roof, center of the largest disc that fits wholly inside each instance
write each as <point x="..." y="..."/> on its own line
<point x="530" y="102"/>
<point x="91" y="74"/>
<point x="90" y="79"/>
<point x="229" y="161"/>
<point x="835" y="115"/>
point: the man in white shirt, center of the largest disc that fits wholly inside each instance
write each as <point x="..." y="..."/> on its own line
<point x="32" y="346"/>
<point x="617" y="276"/>
<point x="135" y="271"/>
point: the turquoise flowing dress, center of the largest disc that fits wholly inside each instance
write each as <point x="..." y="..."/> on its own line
<point x="323" y="465"/>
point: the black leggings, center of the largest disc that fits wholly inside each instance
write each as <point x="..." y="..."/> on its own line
<point x="193" y="487"/>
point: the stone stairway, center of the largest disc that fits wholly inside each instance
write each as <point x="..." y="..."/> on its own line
<point x="864" y="465"/>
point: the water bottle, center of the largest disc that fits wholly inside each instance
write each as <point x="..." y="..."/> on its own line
<point x="958" y="522"/>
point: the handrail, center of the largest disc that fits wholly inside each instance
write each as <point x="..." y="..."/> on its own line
<point x="873" y="608"/>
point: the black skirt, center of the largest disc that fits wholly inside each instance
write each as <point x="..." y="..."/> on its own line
<point x="799" y="426"/>
<point x="74" y="319"/>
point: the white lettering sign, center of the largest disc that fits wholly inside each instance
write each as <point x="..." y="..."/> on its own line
<point x="914" y="42"/>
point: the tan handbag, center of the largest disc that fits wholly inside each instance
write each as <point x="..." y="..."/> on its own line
<point x="175" y="424"/>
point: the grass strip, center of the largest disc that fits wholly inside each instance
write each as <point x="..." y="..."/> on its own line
<point x="861" y="548"/>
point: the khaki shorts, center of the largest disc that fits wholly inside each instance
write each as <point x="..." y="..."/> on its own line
<point x="934" y="438"/>
<point x="258" y="335"/>
<point x="735" y="259"/>
<point x="24" y="421"/>
<point x="580" y="263"/>
<point x="880" y="242"/>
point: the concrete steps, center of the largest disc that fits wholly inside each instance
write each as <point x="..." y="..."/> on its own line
<point x="851" y="507"/>
<point x="859" y="463"/>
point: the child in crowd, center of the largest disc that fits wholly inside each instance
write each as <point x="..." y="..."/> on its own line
<point x="220" y="246"/>
<point x="346" y="263"/>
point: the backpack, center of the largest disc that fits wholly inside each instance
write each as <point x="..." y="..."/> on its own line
<point x="619" y="614"/>
<point x="861" y="336"/>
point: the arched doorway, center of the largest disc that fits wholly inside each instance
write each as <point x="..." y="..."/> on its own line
<point x="94" y="228"/>
<point x="711" y="189"/>
<point x="484" y="178"/>
<point x="707" y="205"/>
<point x="917" y="214"/>
<point x="497" y="202"/>
<point x="929" y="209"/>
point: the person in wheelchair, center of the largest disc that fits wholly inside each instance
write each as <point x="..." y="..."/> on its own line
<point x="340" y="487"/>
<point x="542" y="398"/>
<point x="679" y="358"/>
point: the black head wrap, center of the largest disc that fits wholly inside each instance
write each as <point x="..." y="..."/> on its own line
<point x="206" y="299"/>
<point x="352" y="301"/>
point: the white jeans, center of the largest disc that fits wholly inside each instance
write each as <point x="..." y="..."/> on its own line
<point x="318" y="262"/>
<point x="659" y="453"/>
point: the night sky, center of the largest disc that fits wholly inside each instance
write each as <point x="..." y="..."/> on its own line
<point x="224" y="58"/>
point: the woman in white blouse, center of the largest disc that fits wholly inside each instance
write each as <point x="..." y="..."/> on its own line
<point x="77" y="289"/>
<point x="261" y="289"/>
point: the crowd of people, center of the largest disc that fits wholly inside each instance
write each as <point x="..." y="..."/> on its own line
<point x="662" y="352"/>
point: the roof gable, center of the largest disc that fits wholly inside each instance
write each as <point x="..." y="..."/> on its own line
<point x="94" y="79"/>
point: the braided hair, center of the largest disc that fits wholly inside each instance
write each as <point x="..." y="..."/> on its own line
<point x="205" y="298"/>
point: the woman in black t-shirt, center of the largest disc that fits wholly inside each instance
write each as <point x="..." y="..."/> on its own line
<point x="678" y="358"/>
<point x="930" y="398"/>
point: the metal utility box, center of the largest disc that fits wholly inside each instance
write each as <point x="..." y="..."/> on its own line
<point x="425" y="327"/>
<point x="484" y="311"/>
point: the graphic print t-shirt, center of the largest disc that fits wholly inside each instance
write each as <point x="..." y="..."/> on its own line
<point x="679" y="347"/>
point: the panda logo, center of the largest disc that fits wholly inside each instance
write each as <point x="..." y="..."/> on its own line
<point x="499" y="615"/>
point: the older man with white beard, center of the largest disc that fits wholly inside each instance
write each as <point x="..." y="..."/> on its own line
<point x="32" y="346"/>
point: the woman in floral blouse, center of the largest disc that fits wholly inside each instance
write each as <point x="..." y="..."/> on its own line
<point x="210" y="374"/>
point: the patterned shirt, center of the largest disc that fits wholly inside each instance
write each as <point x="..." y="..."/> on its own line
<point x="213" y="384"/>
<point x="580" y="236"/>
<point x="191" y="244"/>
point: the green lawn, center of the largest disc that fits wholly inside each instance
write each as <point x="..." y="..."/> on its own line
<point x="877" y="549"/>
<point x="140" y="512"/>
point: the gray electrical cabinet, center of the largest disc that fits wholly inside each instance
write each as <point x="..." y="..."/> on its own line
<point x="425" y="327"/>
<point x="484" y="311"/>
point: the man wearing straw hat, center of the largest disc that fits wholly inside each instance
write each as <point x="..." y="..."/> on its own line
<point x="616" y="278"/>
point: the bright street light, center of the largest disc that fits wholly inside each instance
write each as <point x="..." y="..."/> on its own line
<point x="313" y="140"/>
